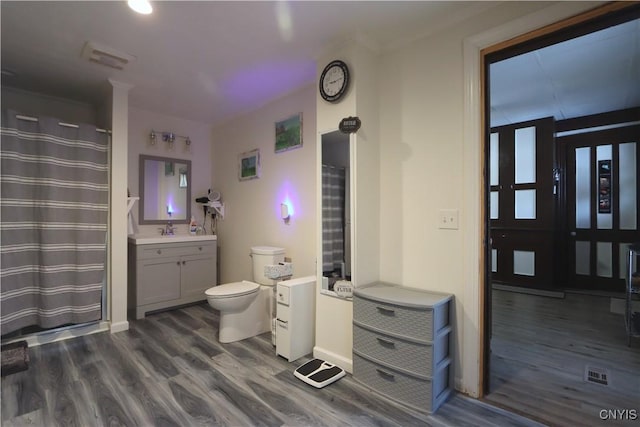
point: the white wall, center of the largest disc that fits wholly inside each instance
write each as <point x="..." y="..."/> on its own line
<point x="424" y="164"/>
<point x="252" y="208"/>
<point x="117" y="276"/>
<point x="199" y="152"/>
<point x="36" y="104"/>
<point x="334" y="316"/>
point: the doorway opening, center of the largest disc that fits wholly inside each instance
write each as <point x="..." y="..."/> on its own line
<point x="562" y="205"/>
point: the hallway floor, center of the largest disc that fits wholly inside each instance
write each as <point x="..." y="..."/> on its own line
<point x="541" y="347"/>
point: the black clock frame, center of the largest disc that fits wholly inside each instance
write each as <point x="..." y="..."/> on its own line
<point x="345" y="85"/>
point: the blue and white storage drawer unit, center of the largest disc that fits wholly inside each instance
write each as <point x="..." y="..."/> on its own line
<point x="402" y="343"/>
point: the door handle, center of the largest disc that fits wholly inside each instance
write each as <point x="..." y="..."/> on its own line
<point x="572" y="234"/>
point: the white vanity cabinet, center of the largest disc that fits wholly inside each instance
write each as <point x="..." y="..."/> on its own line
<point x="168" y="272"/>
<point x="402" y="343"/>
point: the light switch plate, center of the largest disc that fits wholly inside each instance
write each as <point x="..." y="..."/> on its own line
<point x="448" y="218"/>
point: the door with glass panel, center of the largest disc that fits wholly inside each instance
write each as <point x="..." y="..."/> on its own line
<point x="523" y="204"/>
<point x="602" y="205"/>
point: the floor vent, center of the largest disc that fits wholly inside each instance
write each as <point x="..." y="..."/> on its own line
<point x="596" y="375"/>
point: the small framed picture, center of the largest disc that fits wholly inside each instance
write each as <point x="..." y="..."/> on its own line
<point x="289" y="133"/>
<point x="249" y="165"/>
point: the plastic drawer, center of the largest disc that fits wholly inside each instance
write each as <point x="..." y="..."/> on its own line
<point x="402" y="321"/>
<point x="405" y="355"/>
<point x="422" y="394"/>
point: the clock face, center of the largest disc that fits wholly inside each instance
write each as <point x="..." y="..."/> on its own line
<point x="334" y="81"/>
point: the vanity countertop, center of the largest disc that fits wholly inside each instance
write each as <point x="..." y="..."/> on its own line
<point x="151" y="239"/>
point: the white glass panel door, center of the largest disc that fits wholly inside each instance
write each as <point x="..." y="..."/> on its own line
<point x="628" y="186"/>
<point x="524" y="263"/>
<point x="494" y="260"/>
<point x="525" y="155"/>
<point x="494" y="159"/>
<point x="604" y="216"/>
<point x="583" y="187"/>
<point x="601" y="187"/>
<point x="583" y="258"/>
<point x="604" y="266"/>
<point x="525" y="204"/>
<point x="495" y="205"/>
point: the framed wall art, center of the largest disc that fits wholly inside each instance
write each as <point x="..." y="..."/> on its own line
<point x="249" y="165"/>
<point x="289" y="133"/>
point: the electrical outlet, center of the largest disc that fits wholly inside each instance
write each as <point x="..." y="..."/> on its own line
<point x="448" y="218"/>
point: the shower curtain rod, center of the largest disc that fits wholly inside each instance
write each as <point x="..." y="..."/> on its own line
<point x="69" y="125"/>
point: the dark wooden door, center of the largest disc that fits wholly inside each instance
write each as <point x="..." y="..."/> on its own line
<point x="523" y="204"/>
<point x="603" y="198"/>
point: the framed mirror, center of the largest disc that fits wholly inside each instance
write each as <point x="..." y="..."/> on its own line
<point x="336" y="209"/>
<point x="165" y="190"/>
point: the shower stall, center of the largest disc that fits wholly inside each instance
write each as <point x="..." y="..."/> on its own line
<point x="54" y="215"/>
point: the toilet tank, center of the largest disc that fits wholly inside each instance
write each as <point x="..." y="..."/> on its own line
<point x="265" y="255"/>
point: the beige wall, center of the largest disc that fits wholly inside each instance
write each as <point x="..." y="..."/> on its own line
<point x="334" y="340"/>
<point x="199" y="152"/>
<point x="252" y="208"/>
<point x="424" y="159"/>
<point x="430" y="160"/>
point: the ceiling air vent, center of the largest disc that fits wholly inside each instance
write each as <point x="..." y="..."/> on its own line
<point x="106" y="56"/>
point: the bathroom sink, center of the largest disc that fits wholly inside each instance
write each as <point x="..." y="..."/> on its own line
<point x="149" y="239"/>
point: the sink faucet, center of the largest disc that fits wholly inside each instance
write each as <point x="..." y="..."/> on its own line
<point x="168" y="229"/>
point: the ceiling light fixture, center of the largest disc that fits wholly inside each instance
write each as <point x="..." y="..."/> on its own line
<point x="140" y="6"/>
<point x="168" y="137"/>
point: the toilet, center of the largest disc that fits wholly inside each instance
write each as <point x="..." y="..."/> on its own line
<point x="246" y="307"/>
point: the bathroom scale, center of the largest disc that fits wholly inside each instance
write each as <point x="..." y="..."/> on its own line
<point x="318" y="373"/>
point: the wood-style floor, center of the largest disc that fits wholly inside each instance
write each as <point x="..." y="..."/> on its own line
<point x="170" y="370"/>
<point x="540" y="348"/>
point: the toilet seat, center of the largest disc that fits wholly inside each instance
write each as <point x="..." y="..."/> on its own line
<point x="230" y="290"/>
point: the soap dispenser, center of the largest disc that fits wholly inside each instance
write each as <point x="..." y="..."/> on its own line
<point x="193" y="226"/>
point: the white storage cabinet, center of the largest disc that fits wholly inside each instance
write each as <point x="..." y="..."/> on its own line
<point x="164" y="275"/>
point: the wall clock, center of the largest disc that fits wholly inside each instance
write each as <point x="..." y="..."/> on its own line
<point x="334" y="81"/>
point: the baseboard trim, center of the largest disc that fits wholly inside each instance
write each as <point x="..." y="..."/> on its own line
<point x="336" y="359"/>
<point x="119" y="327"/>
<point x="529" y="291"/>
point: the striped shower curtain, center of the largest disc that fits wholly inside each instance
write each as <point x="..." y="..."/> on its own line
<point x="53" y="218"/>
<point x="333" y="197"/>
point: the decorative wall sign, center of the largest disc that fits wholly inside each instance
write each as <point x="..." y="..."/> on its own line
<point x="343" y="288"/>
<point x="249" y="165"/>
<point x="289" y="133"/>
<point x="604" y="186"/>
<point x="349" y="124"/>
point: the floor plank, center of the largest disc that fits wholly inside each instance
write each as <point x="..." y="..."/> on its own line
<point x="540" y="348"/>
<point x="170" y="370"/>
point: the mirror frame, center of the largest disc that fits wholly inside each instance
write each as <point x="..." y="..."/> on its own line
<point x="352" y="189"/>
<point x="141" y="219"/>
